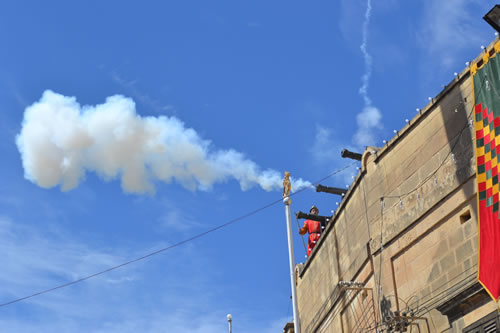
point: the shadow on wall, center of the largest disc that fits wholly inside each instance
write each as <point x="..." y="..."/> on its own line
<point x="456" y="122"/>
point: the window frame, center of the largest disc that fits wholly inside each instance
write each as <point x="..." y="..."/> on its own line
<point x="479" y="325"/>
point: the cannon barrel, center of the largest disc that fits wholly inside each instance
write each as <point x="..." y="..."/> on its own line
<point x="350" y="154"/>
<point x="332" y="190"/>
<point x="319" y="218"/>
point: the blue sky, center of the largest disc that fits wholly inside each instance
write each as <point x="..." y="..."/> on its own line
<point x="251" y="88"/>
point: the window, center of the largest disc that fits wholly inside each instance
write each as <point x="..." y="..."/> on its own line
<point x="465" y="217"/>
<point x="487" y="324"/>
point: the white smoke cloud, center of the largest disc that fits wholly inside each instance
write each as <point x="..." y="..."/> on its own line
<point x="60" y="141"/>
<point x="370" y="119"/>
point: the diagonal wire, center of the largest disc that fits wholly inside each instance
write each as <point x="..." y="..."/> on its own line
<point x="187" y="240"/>
<point x="469" y="117"/>
<point x="301" y="236"/>
<point x="288" y="310"/>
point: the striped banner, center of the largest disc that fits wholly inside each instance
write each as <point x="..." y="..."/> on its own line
<point x="486" y="87"/>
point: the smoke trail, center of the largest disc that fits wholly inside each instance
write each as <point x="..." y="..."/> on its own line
<point x="370" y="118"/>
<point x="60" y="141"/>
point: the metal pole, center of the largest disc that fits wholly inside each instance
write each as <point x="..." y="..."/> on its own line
<point x="230" y="321"/>
<point x="287" y="201"/>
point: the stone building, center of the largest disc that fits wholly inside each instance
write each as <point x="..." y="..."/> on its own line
<point x="400" y="253"/>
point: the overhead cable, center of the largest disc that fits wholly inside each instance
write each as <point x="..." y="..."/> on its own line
<point x="187" y="240"/>
<point x="432" y="174"/>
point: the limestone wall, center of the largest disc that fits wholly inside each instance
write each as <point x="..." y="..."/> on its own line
<point x="426" y="224"/>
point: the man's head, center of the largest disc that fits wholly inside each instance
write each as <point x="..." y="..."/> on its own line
<point x="314" y="210"/>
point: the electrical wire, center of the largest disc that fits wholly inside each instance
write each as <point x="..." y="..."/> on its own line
<point x="439" y="287"/>
<point x="451" y="290"/>
<point x="187" y="240"/>
<point x="379" y="287"/>
<point x="382" y="203"/>
<point x="337" y="293"/>
<point x="401" y="196"/>
<point x="429" y="304"/>
<point x="399" y="298"/>
<point x="288" y="310"/>
<point x="353" y="312"/>
<point x="382" y="198"/>
<point x="457" y="138"/>
<point x="469" y="117"/>
<point x="301" y="236"/>
<point x="432" y="320"/>
<point x="413" y="296"/>
<point x="365" y="317"/>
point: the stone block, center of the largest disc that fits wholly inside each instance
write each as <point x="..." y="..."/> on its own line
<point x="456" y="237"/>
<point x="435" y="272"/>
<point x="448" y="262"/>
<point x="439" y="284"/>
<point x="458" y="325"/>
<point x="467" y="264"/>
<point x="425" y="246"/>
<point x="424" y="294"/>
<point x="464" y="250"/>
<point x="468" y="229"/>
<point x="442" y="246"/>
<point x="455" y="272"/>
<point x="474" y="259"/>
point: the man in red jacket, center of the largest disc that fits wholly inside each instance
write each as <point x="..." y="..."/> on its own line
<point x="313" y="228"/>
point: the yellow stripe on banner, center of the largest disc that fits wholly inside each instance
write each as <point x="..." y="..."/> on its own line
<point x="495" y="189"/>
<point x="486" y="131"/>
<point x="489" y="183"/>
<point x="494" y="161"/>
<point x="484" y="59"/>
<point x="497" y="47"/>
<point x="481" y="177"/>
<point x="478" y="124"/>
<point x="487" y="157"/>
<point x="480" y="151"/>
<point x="473" y="69"/>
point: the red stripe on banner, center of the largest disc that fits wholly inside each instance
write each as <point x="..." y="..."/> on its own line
<point x="489" y="221"/>
<point x="480" y="134"/>
<point x="481" y="186"/>
<point x="489" y="249"/>
<point x="486" y="140"/>
<point x="487" y="166"/>
<point x="496" y="122"/>
<point x="478" y="108"/>
<point x="480" y="160"/>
